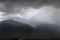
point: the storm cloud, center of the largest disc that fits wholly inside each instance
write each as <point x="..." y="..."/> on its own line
<point x="42" y="15"/>
<point x="34" y="12"/>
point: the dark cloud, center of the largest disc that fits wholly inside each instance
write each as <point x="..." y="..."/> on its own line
<point x="37" y="22"/>
<point x="10" y="5"/>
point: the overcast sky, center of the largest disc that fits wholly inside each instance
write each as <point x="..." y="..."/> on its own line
<point x="31" y="12"/>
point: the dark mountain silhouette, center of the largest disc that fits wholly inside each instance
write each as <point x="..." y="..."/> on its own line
<point x="46" y="31"/>
<point x="49" y="30"/>
<point x="13" y="29"/>
<point x="14" y="26"/>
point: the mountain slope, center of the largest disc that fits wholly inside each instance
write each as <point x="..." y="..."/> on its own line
<point x="49" y="30"/>
<point x="12" y="29"/>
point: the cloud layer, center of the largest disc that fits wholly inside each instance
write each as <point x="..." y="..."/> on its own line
<point x="31" y="12"/>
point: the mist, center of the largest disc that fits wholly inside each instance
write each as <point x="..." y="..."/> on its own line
<point x="36" y="18"/>
<point x="31" y="12"/>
